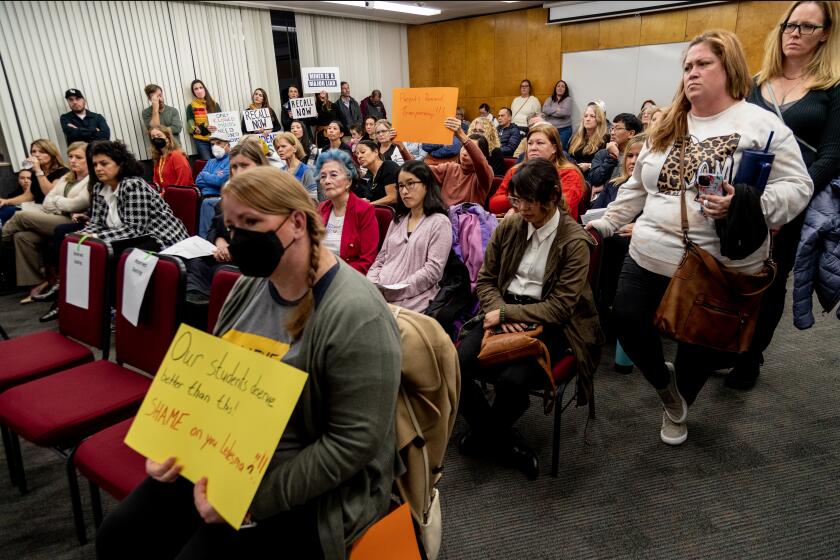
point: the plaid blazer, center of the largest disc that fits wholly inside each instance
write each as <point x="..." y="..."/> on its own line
<point x="142" y="211"/>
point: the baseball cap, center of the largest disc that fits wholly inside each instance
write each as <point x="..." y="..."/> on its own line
<point x="219" y="136"/>
<point x="73" y="93"/>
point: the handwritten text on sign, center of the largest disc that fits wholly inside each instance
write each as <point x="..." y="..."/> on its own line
<point x="419" y="113"/>
<point x="220" y="410"/>
<point x="302" y="108"/>
<point x="257" y="119"/>
<point x="227" y="123"/>
<point x="321" y="78"/>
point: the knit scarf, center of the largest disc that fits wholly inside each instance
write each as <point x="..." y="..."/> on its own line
<point x="199" y="107"/>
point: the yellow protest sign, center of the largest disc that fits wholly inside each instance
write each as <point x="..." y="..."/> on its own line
<point x="418" y="113"/>
<point x="220" y="410"/>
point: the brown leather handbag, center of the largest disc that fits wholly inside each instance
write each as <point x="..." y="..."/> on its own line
<point x="503" y="348"/>
<point x="707" y="304"/>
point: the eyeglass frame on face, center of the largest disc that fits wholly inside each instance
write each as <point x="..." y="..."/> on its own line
<point x="615" y="128"/>
<point x="517" y="202"/>
<point x="409" y="186"/>
<point x="789" y="28"/>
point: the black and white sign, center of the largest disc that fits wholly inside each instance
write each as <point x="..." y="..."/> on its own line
<point x="258" y="119"/>
<point x="321" y="78"/>
<point x="302" y="108"/>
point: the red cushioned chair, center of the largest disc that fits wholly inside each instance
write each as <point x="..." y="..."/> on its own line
<point x="185" y="202"/>
<point x="103" y="458"/>
<point x="43" y="353"/>
<point x="497" y="181"/>
<point x="223" y="282"/>
<point x="510" y="162"/>
<point x="384" y="217"/>
<point x="565" y="370"/>
<point x="60" y="410"/>
<point x="197" y="166"/>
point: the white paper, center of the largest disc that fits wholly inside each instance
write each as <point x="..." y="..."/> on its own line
<point x="395" y="286"/>
<point x="227" y="123"/>
<point x="302" y="108"/>
<point x="593" y="214"/>
<point x="257" y="119"/>
<point x="138" y="270"/>
<point x="322" y="78"/>
<point x="190" y="248"/>
<point x="77" y="283"/>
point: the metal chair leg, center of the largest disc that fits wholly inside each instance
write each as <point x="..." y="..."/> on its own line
<point x="16" y="459"/>
<point x="76" y="500"/>
<point x="10" y="460"/>
<point x="3" y="333"/>
<point x="96" y="504"/>
<point x="555" y="444"/>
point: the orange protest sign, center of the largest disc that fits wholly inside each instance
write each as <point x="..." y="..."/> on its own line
<point x="418" y="113"/>
<point x="391" y="538"/>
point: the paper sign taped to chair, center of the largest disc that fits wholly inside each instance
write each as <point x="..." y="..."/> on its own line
<point x="257" y="119"/>
<point x="138" y="270"/>
<point x="77" y="284"/>
<point x="303" y="108"/>
<point x="321" y="78"/>
<point x="220" y="410"/>
<point x="419" y="114"/>
<point x="391" y="537"/>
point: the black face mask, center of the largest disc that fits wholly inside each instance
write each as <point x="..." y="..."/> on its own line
<point x="257" y="253"/>
<point x="159" y="143"/>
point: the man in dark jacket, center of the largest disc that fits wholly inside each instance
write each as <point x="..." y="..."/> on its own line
<point x="509" y="134"/>
<point x="81" y="125"/>
<point x="348" y="109"/>
<point x="605" y="164"/>
<point x="372" y="106"/>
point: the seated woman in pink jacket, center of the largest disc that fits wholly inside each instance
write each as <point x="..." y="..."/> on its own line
<point x="352" y="229"/>
<point x="410" y="264"/>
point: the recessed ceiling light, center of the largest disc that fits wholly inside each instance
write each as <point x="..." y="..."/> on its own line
<point x="391" y="7"/>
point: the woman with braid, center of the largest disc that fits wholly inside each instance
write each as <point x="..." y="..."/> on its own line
<point x="331" y="475"/>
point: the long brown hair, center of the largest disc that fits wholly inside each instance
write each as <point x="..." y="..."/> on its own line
<point x="271" y="191"/>
<point x="625" y="175"/>
<point x="171" y="143"/>
<point x="590" y="144"/>
<point x="824" y="67"/>
<point x="726" y="46"/>
<point x="48" y="146"/>
<point x="265" y="104"/>
<point x="212" y="106"/>
<point x="560" y="160"/>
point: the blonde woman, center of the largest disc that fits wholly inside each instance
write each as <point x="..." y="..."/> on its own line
<point x="334" y="466"/>
<point x="589" y="137"/>
<point x="291" y="152"/>
<point x="384" y="136"/>
<point x="483" y="126"/>
<point x="646" y="114"/>
<point x="170" y="165"/>
<point x="801" y="76"/>
<point x="708" y="125"/>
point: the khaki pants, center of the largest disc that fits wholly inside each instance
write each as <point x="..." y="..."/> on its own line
<point x="28" y="230"/>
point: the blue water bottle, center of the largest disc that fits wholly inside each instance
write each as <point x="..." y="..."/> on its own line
<point x="623" y="364"/>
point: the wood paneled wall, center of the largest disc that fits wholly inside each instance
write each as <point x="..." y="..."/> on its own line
<point x="487" y="56"/>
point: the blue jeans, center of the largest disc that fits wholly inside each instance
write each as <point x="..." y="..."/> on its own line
<point x="6" y="213"/>
<point x="565" y="136"/>
<point x="203" y="149"/>
<point x="206" y="214"/>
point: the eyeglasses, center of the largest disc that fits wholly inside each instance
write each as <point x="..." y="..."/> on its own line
<point x="408" y="186"/>
<point x="617" y="129"/>
<point x="804" y="28"/>
<point x="517" y="202"/>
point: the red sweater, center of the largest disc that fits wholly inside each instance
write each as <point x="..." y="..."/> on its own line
<point x="360" y="234"/>
<point x="571" y="184"/>
<point x="463" y="184"/>
<point x="176" y="171"/>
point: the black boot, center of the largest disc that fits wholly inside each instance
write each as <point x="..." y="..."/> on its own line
<point x="744" y="375"/>
<point x="517" y="454"/>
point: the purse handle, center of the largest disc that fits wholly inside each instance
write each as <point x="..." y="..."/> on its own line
<point x="683" y="211"/>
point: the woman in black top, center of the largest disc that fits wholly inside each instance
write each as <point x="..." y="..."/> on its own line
<point x="801" y="76"/>
<point x="47" y="167"/>
<point x="381" y="175"/>
<point x="327" y="113"/>
<point x="259" y="100"/>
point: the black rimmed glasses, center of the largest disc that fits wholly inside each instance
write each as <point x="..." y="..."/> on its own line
<point x="804" y="28"/>
<point x="408" y="186"/>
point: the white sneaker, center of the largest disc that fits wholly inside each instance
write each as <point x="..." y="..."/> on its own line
<point x="672" y="433"/>
<point x="673" y="402"/>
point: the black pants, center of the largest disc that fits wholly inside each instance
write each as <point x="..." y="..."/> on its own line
<point x="512" y="384"/>
<point x="52" y="254"/>
<point x="773" y="302"/>
<point x="638" y="295"/>
<point x="200" y="273"/>
<point x="159" y="520"/>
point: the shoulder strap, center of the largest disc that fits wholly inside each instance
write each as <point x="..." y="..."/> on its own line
<point x="683" y="211"/>
<point x="779" y="113"/>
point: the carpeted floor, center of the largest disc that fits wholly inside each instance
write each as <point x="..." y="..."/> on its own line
<point x="757" y="478"/>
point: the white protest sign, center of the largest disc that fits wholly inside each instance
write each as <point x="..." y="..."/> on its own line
<point x="257" y="119"/>
<point x="77" y="289"/>
<point x="138" y="270"/>
<point x="302" y="108"/>
<point x="321" y="78"/>
<point x="227" y="123"/>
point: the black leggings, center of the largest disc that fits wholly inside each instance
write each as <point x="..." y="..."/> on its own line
<point x="637" y="297"/>
<point x="159" y="520"/>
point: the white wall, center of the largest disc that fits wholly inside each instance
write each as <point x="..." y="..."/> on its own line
<point x="369" y="55"/>
<point x="111" y="50"/>
<point x="623" y="77"/>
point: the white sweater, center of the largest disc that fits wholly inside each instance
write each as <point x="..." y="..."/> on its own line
<point x="520" y="109"/>
<point x="656" y="244"/>
<point x="66" y="199"/>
